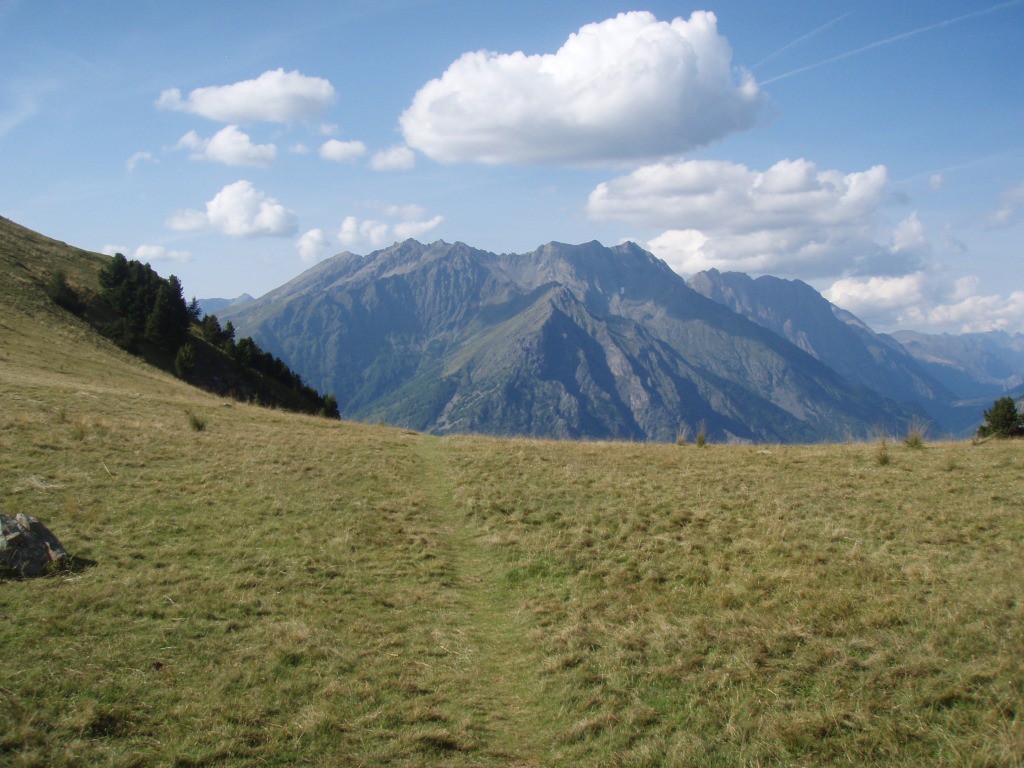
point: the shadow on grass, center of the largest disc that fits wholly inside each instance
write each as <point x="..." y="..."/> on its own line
<point x="69" y="565"/>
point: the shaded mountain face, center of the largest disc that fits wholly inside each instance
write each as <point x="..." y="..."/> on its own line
<point x="971" y="364"/>
<point x="213" y="306"/>
<point x="568" y="341"/>
<point x="797" y="312"/>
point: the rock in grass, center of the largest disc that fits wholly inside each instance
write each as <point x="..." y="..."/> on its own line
<point x="28" y="548"/>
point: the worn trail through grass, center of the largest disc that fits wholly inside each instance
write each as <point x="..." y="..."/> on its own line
<point x="491" y="660"/>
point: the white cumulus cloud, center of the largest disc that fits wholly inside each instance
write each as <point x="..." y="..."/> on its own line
<point x="239" y="210"/>
<point x="393" y="159"/>
<point x="229" y="146"/>
<point x="790" y="219"/>
<point x="624" y="89"/>
<point x="342" y="151"/>
<point x="275" y="96"/>
<point x="312" y="245"/>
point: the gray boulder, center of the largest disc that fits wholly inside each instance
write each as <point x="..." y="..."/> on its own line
<point x="28" y="548"/>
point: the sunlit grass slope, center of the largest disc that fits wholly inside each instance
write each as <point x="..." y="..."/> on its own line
<point x="275" y="589"/>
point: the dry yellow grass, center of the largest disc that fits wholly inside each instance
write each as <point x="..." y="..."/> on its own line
<point x="287" y="590"/>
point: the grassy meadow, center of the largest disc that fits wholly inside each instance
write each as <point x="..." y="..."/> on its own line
<point x="263" y="588"/>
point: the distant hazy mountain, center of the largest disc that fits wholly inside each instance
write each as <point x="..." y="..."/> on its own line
<point x="567" y="341"/>
<point x="971" y="364"/>
<point x="797" y="312"/>
<point x="213" y="306"/>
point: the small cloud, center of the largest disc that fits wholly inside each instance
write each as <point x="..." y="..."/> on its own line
<point x="137" y="158"/>
<point x="148" y="253"/>
<point x="312" y="245"/>
<point x="342" y="151"/>
<point x="398" y="158"/>
<point x="189" y="220"/>
<point x="909" y="236"/>
<point x="936" y="181"/>
<point x="1008" y="212"/>
<point x="229" y="146"/>
<point x="275" y="96"/>
<point x="406" y="229"/>
<point x="329" y="129"/>
<point x="299" y="149"/>
<point x="354" y="232"/>
<point x="238" y="210"/>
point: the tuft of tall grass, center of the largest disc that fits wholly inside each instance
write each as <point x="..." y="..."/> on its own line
<point x="882" y="452"/>
<point x="916" y="431"/>
<point x="197" y="422"/>
<point x="702" y="434"/>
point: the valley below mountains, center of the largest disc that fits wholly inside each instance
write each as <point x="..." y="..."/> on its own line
<point x="587" y="341"/>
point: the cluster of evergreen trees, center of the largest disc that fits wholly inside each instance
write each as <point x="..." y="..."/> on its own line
<point x="148" y="307"/>
<point x="150" y="310"/>
<point x="248" y="353"/>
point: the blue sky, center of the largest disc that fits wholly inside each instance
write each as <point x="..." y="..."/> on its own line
<point x="873" y="149"/>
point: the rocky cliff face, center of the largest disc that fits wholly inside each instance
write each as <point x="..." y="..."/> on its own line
<point x="576" y="341"/>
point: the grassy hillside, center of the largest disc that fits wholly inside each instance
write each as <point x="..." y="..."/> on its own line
<point x="288" y="590"/>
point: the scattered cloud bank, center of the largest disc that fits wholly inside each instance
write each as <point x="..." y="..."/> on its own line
<point x="406" y="222"/>
<point x="624" y="89"/>
<point x="238" y="210"/>
<point x="148" y="253"/>
<point x="229" y="146"/>
<point x="396" y="223"/>
<point x="275" y="96"/>
<point x="796" y="220"/>
<point x="928" y="299"/>
<point x="342" y="151"/>
<point x="791" y="219"/>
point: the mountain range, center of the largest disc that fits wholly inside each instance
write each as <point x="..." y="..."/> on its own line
<point x="945" y="384"/>
<point x="574" y="341"/>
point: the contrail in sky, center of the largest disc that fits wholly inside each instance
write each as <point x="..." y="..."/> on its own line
<point x="890" y="40"/>
<point x="800" y="39"/>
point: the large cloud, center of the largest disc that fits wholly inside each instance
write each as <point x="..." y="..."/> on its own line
<point x="790" y="219"/>
<point x="229" y="146"/>
<point x="239" y="210"/>
<point x="624" y="89"/>
<point x="275" y="96"/>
